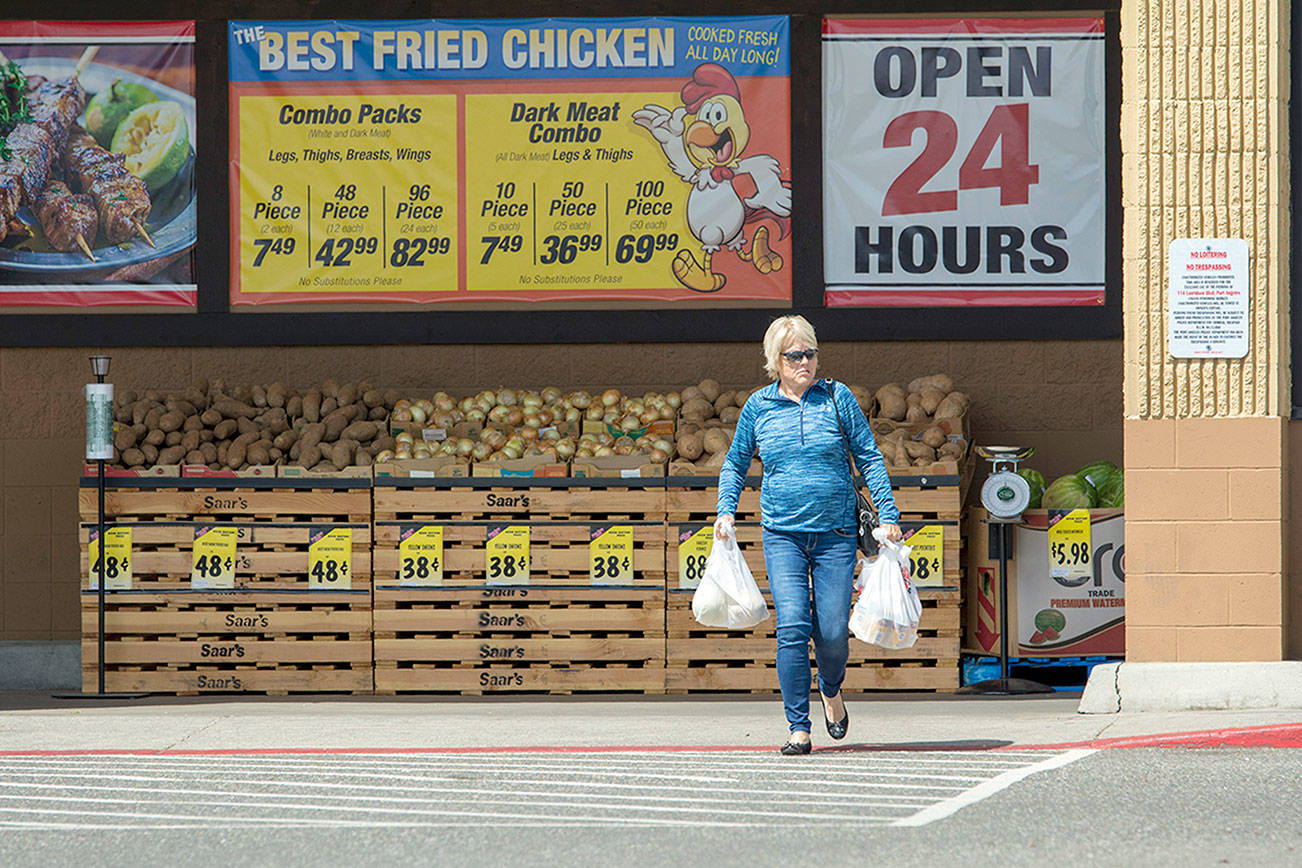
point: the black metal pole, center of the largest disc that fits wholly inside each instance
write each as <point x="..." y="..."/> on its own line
<point x="1003" y="605"/>
<point x="102" y="546"/>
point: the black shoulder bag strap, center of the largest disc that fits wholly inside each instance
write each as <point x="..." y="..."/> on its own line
<point x="865" y="515"/>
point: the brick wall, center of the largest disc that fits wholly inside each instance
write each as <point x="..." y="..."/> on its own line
<point x="1063" y="397"/>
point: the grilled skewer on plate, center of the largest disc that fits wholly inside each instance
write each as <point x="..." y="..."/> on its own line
<point x="67" y="218"/>
<point x="121" y="198"/>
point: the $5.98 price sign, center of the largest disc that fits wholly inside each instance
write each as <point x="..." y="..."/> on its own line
<point x="213" y="565"/>
<point x="1070" y="546"/>
<point x="694" y="545"/>
<point x="420" y="555"/>
<point x="117" y="559"/>
<point x="330" y="559"/>
<point x="927" y="558"/>
<point x="610" y="555"/>
<point x="506" y="555"/>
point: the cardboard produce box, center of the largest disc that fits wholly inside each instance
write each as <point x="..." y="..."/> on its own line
<point x="203" y="471"/>
<point x="534" y="465"/>
<point x="289" y="471"/>
<point x="427" y="468"/>
<point x="1090" y="612"/>
<point x="625" y="466"/>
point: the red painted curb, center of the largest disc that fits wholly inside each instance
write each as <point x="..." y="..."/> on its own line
<point x="1279" y="735"/>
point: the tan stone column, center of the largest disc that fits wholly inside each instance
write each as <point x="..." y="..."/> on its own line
<point x="1204" y="138"/>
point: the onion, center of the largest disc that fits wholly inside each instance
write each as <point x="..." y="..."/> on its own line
<point x="465" y="446"/>
<point x="545" y="418"/>
<point x="528" y="434"/>
<point x="658" y="456"/>
<point x="513" y="451"/>
<point x="649" y="416"/>
<point x="403" y="415"/>
<point x="427" y="406"/>
<point x="493" y="437"/>
<point x="634" y="407"/>
<point x="402" y="452"/>
<point x="603" y="451"/>
<point x="610" y="417"/>
<point x="476" y="415"/>
<point x="507" y="397"/>
<point x="574" y="414"/>
<point x="449" y="447"/>
<point x="549" y="434"/>
<point x="383" y="456"/>
<point x="630" y="423"/>
<point x="401" y="404"/>
<point x="465" y="405"/>
<point x="481" y="451"/>
<point x="498" y="456"/>
<point x="417" y="414"/>
<point x="515" y="417"/>
<point x="610" y="397"/>
<point x="667" y="413"/>
<point x="530" y="420"/>
<point x="405" y="437"/>
<point x="551" y="395"/>
<point x="673" y="399"/>
<point x="623" y="450"/>
<point x="580" y="400"/>
<point x="422" y="450"/>
<point x="487" y="395"/>
<point x="605" y="439"/>
<point x="565" y="448"/>
<point x="663" y="444"/>
<point x="516" y="442"/>
<point x="594" y="413"/>
<point x="583" y="452"/>
<point x="499" y="414"/>
<point x="444" y="402"/>
<point x="531" y="401"/>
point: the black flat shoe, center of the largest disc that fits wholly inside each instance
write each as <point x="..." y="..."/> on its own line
<point x="838" y="728"/>
<point x="796" y="748"/>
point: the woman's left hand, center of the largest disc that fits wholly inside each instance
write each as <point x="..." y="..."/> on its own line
<point x="892" y="532"/>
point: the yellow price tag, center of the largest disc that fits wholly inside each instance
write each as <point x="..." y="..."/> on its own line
<point x="1070" y="547"/>
<point x="330" y="559"/>
<point x="117" y="559"/>
<point x="506" y="556"/>
<point x="927" y="558"/>
<point x="420" y="555"/>
<point x="694" y="545"/>
<point x="610" y="555"/>
<point x="213" y="563"/>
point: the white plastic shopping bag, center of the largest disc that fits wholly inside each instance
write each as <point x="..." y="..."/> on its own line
<point x="888" y="609"/>
<point x="728" y="596"/>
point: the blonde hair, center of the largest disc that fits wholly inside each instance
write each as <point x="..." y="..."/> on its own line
<point x="780" y="332"/>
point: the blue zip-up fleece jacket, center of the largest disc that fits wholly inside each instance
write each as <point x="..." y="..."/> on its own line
<point x="806" y="484"/>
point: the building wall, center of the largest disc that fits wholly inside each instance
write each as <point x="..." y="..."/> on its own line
<point x="1064" y="397"/>
<point x="1205" y="154"/>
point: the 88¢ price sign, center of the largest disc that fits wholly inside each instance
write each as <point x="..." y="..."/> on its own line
<point x="694" y="545"/>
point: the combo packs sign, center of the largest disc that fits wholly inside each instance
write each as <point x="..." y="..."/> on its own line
<point x="963" y="161"/>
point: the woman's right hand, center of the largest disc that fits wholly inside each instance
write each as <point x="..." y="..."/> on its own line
<point x="723" y="527"/>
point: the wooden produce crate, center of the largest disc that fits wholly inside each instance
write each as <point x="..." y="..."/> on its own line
<point x="692" y="499"/>
<point x="934" y="492"/>
<point x="229" y="642"/>
<point x="703" y="659"/>
<point x="683" y="558"/>
<point x="520" y="640"/>
<point x="557" y="527"/>
<point x="276" y="522"/>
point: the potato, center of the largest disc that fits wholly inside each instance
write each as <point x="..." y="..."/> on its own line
<point x="690" y="446"/>
<point x="951" y="450"/>
<point x="285" y="439"/>
<point x="194" y="457"/>
<point x="294" y="407"/>
<point x="384" y="441"/>
<point x="209" y="453"/>
<point x="715" y="461"/>
<point x="341" y="455"/>
<point x="954" y="406"/>
<point x="210" y="417"/>
<point x="378" y="414"/>
<point x="192" y="423"/>
<point x="155" y="437"/>
<point x="172" y="438"/>
<point x="258" y="398"/>
<point x="334" y="424"/>
<point x="373" y="399"/>
<point x="124" y="439"/>
<point x="247" y="426"/>
<point x="233" y="409"/>
<point x="362" y="459"/>
<point x="691" y="393"/>
<point x="225" y="429"/>
<point x="709" y="390"/>
<point x="235" y="456"/>
<point x="277" y="394"/>
<point x="716" y="440"/>
<point x="891" y="405"/>
<point x="190" y="441"/>
<point x="328" y="406"/>
<point x="242" y="394"/>
<point x="133" y="457"/>
<point x="347" y="394"/>
<point x="330" y="388"/>
<point x="312" y="406"/>
<point x="151" y="453"/>
<point x="934" y="437"/>
<point x="312" y="434"/>
<point x="916" y="415"/>
<point x="918" y="450"/>
<point x="257" y="454"/>
<point x="931" y="399"/>
<point x="725" y="399"/>
<point x="361" y="431"/>
<point x="170" y="422"/>
<point x="941" y="382"/>
<point x="171" y="455"/>
<point x="697" y="410"/>
<point x="730" y="415"/>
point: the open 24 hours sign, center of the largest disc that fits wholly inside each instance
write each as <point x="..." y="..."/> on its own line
<point x="577" y="162"/>
<point x="964" y="161"/>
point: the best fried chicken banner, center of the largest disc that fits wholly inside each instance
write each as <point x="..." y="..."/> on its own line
<point x="97" y="199"/>
<point x="577" y="162"/>
<point x="963" y="161"/>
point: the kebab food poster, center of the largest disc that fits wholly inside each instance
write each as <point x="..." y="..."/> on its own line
<point x="97" y="198"/>
<point x="576" y="162"/>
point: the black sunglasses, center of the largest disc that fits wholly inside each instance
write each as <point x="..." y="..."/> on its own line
<point x="796" y="355"/>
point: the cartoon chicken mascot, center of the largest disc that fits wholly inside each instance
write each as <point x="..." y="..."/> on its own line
<point x="707" y="155"/>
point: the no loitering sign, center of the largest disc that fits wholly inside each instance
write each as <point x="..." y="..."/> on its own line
<point x="1207" y="299"/>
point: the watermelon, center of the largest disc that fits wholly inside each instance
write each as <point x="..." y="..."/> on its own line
<point x="1069" y="492"/>
<point x="1035" y="479"/>
<point x="1098" y="471"/>
<point x="1112" y="493"/>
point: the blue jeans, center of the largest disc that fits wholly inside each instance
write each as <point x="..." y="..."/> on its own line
<point x="795" y="561"/>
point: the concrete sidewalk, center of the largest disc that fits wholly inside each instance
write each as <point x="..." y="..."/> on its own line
<point x="33" y="721"/>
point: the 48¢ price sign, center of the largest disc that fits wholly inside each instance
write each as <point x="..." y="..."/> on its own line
<point x="213" y="564"/>
<point x="117" y="558"/>
<point x="330" y="559"/>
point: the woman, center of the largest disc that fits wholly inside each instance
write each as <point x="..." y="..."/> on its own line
<point x="808" y="515"/>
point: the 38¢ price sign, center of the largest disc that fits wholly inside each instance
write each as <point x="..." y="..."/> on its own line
<point x="420" y="555"/>
<point x="213" y="561"/>
<point x="330" y="559"/>
<point x="117" y="558"/>
<point x="610" y="555"/>
<point x="927" y="558"/>
<point x="506" y="555"/>
<point x="694" y="545"/>
<point x="1069" y="547"/>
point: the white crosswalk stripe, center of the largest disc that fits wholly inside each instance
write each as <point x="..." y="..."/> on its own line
<point x="698" y="788"/>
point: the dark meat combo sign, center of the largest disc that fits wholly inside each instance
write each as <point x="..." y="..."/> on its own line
<point x="963" y="161"/>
